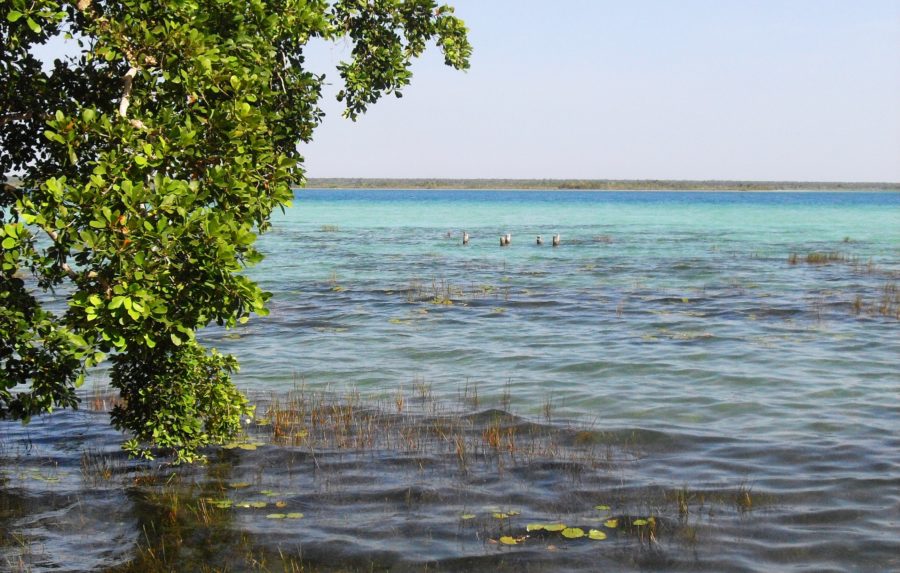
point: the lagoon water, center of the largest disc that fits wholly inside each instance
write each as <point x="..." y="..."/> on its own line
<point x="747" y="401"/>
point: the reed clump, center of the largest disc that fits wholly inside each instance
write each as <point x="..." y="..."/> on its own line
<point x="819" y="258"/>
<point x="885" y="303"/>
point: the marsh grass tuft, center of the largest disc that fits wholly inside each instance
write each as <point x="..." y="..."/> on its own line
<point x="819" y="258"/>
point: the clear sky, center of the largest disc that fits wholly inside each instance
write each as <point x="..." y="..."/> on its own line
<point x="639" y="89"/>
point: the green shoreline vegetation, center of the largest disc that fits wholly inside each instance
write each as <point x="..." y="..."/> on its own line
<point x="593" y="184"/>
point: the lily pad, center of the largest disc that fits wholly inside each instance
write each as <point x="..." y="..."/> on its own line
<point x="268" y="493"/>
<point x="247" y="446"/>
<point x="221" y="503"/>
<point x="596" y="534"/>
<point x="611" y="523"/>
<point x="572" y="532"/>
<point x="239" y="485"/>
<point x="639" y="522"/>
<point x="257" y="504"/>
<point x="467" y="516"/>
<point x="280" y="504"/>
<point x="535" y="527"/>
<point x="507" y="540"/>
<point x="294" y="515"/>
<point x="602" y="507"/>
<point x="276" y="516"/>
<point x="501" y="515"/>
<point x="555" y="527"/>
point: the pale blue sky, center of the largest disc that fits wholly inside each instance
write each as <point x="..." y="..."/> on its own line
<point x="638" y="89"/>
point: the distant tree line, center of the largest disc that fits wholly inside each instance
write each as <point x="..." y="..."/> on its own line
<point x="596" y="184"/>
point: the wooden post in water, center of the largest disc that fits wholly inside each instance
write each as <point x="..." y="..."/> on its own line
<point x="465" y="238"/>
<point x="502" y="240"/>
<point x="508" y="239"/>
<point x="540" y="240"/>
<point x="556" y="240"/>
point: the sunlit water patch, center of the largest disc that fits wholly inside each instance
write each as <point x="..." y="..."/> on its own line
<point x="718" y="372"/>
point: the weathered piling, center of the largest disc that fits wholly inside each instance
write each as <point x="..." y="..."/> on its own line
<point x="556" y="240"/>
<point x="465" y="238"/>
<point x="540" y="240"/>
<point x="508" y="239"/>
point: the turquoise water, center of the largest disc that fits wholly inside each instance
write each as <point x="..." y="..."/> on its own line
<point x="672" y="328"/>
<point x="677" y="309"/>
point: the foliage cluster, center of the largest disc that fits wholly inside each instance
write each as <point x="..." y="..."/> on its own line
<point x="146" y="165"/>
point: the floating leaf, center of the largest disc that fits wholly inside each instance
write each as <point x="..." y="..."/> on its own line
<point x="611" y="523"/>
<point x="602" y="507"/>
<point x="501" y="515"/>
<point x="572" y="532"/>
<point x="467" y="516"/>
<point x="507" y="540"/>
<point x="639" y="522"/>
<point x="276" y="516"/>
<point x="280" y="504"/>
<point x="555" y="527"/>
<point x="257" y="504"/>
<point x="268" y="493"/>
<point x="294" y="515"/>
<point x="513" y="512"/>
<point x="239" y="485"/>
<point x="247" y="446"/>
<point x="231" y="446"/>
<point x="221" y="503"/>
<point x="535" y="527"/>
<point x="596" y="534"/>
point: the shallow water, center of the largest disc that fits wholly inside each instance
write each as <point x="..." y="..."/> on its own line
<point x="670" y="328"/>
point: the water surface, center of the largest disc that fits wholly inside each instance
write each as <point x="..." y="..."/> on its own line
<point x="671" y="334"/>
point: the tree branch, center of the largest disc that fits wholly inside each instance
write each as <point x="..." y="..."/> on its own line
<point x="126" y="91"/>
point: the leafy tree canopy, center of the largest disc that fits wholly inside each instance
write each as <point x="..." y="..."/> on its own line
<point x="149" y="163"/>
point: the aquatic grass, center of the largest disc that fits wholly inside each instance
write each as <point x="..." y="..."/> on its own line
<point x="98" y="468"/>
<point x="103" y="398"/>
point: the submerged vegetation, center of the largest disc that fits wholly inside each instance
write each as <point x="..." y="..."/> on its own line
<point x="309" y="460"/>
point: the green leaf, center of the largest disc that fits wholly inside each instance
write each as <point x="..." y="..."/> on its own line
<point x="33" y="25"/>
<point x="175" y="339"/>
<point x="14" y="15"/>
<point x="9" y="243"/>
